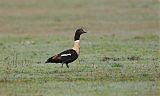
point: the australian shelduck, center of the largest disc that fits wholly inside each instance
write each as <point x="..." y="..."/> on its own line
<point x="69" y="55"/>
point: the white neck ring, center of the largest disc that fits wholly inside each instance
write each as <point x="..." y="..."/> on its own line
<point x="77" y="41"/>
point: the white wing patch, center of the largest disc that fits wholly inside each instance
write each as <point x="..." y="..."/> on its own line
<point x="66" y="55"/>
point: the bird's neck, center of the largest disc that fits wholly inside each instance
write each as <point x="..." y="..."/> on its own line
<point x="76" y="46"/>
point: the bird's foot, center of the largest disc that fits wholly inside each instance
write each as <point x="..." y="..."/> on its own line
<point x="67" y="65"/>
<point x="62" y="65"/>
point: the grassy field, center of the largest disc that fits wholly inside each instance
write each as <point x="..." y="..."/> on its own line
<point x="120" y="54"/>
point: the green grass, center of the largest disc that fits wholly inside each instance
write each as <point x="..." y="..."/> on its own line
<point x="119" y="54"/>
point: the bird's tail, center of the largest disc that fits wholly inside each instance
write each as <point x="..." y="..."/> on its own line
<point x="49" y="60"/>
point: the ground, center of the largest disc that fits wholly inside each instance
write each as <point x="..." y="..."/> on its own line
<point x="119" y="54"/>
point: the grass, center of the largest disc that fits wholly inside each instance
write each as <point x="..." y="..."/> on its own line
<point x="119" y="54"/>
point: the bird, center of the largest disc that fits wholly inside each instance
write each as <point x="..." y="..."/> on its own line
<point x="71" y="54"/>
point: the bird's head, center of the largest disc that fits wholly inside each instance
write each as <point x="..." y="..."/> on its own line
<point x="80" y="31"/>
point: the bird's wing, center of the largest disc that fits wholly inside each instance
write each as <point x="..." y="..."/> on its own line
<point x="66" y="53"/>
<point x="63" y="55"/>
<point x="56" y="57"/>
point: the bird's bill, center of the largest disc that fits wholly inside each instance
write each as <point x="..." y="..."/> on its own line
<point x="84" y="32"/>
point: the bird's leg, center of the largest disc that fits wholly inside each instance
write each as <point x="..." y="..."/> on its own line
<point x="67" y="65"/>
<point x="62" y="65"/>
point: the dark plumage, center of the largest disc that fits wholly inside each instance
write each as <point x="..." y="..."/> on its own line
<point x="69" y="55"/>
<point x="66" y="57"/>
